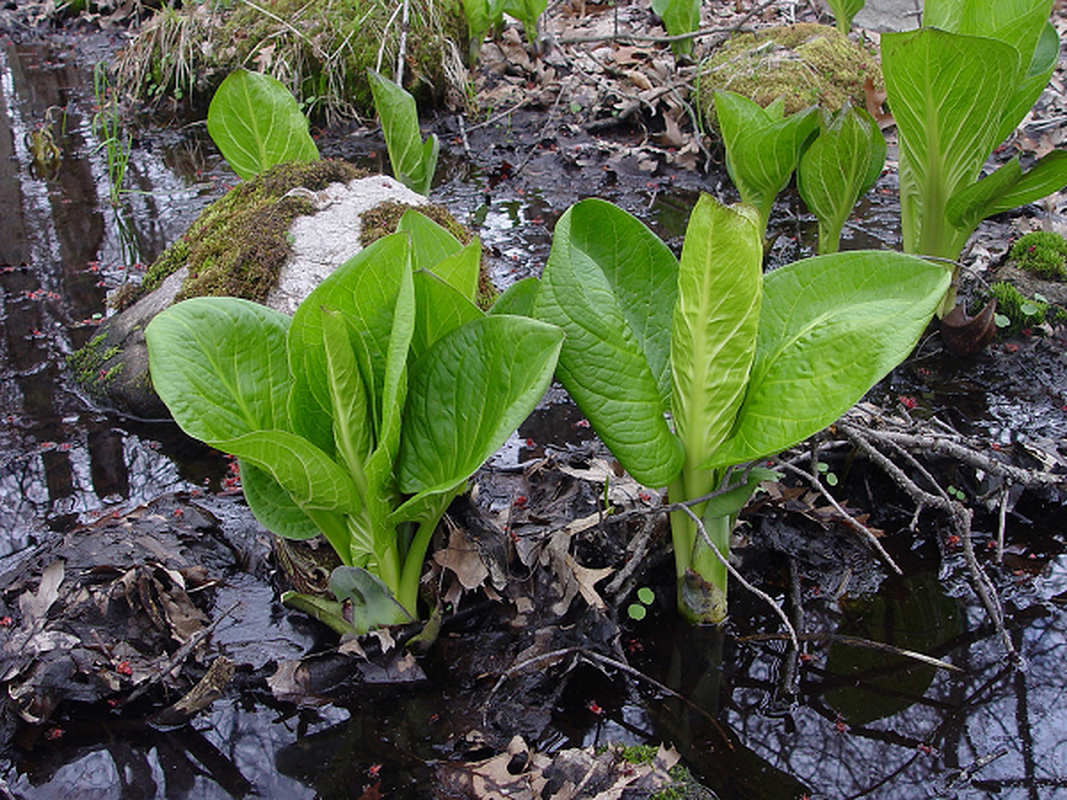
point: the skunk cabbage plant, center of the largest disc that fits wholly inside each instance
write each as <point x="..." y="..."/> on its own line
<point x="257" y="123"/>
<point x="763" y="146"/>
<point x="958" y="87"/>
<point x="840" y="166"/>
<point x="679" y="16"/>
<point x="693" y="371"/>
<point x="844" y="11"/>
<point x="362" y="416"/>
<point x="414" y="161"/>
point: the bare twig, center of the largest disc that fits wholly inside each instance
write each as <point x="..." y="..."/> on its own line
<point x="850" y="521"/>
<point x="959" y="517"/>
<point x="856" y="641"/>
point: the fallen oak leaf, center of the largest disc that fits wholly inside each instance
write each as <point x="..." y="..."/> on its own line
<point x="587" y="579"/>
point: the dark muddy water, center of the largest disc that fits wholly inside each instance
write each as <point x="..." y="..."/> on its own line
<point x="857" y="726"/>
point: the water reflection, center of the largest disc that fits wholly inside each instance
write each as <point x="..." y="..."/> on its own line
<point x="61" y="250"/>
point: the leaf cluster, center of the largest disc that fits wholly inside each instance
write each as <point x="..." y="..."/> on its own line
<point x="364" y="415"/>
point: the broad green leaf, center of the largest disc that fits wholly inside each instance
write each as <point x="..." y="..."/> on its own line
<point x="844" y="11"/>
<point x="430" y="242"/>
<point x="439" y="308"/>
<point x="220" y="366"/>
<point x="468" y="393"/>
<point x="830" y="328"/>
<point x="840" y="166"/>
<point x="1007" y="188"/>
<point x="1024" y="25"/>
<point x="365" y="290"/>
<point x="762" y="146"/>
<point x="272" y="505"/>
<point x="257" y="123"/>
<point x="519" y="299"/>
<point x="949" y="93"/>
<point x="1042" y="64"/>
<point x="353" y="430"/>
<point x="311" y="478"/>
<point x="413" y="161"/>
<point x="526" y="12"/>
<point x="713" y="336"/>
<point x="611" y="284"/>
<point x="679" y="16"/>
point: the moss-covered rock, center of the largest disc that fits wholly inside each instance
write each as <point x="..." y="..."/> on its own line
<point x="1043" y="253"/>
<point x="806" y="64"/>
<point x="238" y="244"/>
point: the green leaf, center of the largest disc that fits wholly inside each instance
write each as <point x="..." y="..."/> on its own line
<point x="215" y="384"/>
<point x="526" y="12"/>
<point x="679" y="16"/>
<point x="830" y="328"/>
<point x="257" y="123"/>
<point x="353" y="430"/>
<point x="414" y="161"/>
<point x="762" y="146"/>
<point x="272" y="506"/>
<point x="439" y="308"/>
<point x="519" y="299"/>
<point x="430" y="242"/>
<point x="611" y="284"/>
<point x="481" y="16"/>
<point x="460" y="270"/>
<point x="840" y="165"/>
<point x="365" y="289"/>
<point x="311" y="478"/>
<point x="730" y="502"/>
<point x="468" y="393"/>
<point x="1022" y="24"/>
<point x="949" y="93"/>
<point x="844" y="11"/>
<point x="368" y="602"/>
<point x="1005" y="189"/>
<point x="713" y="334"/>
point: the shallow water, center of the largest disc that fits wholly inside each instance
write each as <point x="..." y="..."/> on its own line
<point x="995" y="730"/>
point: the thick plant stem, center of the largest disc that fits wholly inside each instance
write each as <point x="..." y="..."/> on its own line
<point x="408" y="593"/>
<point x="701" y="576"/>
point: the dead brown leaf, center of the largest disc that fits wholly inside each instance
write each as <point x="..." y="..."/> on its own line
<point x="462" y="557"/>
<point x="875" y="107"/>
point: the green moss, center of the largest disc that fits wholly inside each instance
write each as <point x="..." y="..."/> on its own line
<point x="238" y="244"/>
<point x="320" y="50"/>
<point x="1021" y="311"/>
<point x="806" y="64"/>
<point x="88" y="365"/>
<point x="1042" y="252"/>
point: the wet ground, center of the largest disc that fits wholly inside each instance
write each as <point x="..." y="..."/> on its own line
<point x="523" y="655"/>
